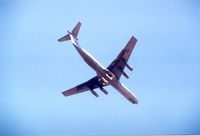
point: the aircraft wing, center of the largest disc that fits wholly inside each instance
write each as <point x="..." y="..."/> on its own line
<point x="117" y="66"/>
<point x="91" y="84"/>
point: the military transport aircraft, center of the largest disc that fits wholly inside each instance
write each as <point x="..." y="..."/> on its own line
<point x="105" y="76"/>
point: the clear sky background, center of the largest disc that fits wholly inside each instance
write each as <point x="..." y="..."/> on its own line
<point x="35" y="68"/>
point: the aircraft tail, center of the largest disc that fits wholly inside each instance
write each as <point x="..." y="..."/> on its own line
<point x="74" y="33"/>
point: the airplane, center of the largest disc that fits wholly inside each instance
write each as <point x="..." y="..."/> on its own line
<point x="105" y="76"/>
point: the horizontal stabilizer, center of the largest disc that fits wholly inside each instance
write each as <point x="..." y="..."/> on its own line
<point x="74" y="33"/>
<point x="64" y="38"/>
<point x="76" y="29"/>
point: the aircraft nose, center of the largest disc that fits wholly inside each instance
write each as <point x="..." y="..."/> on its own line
<point x="134" y="101"/>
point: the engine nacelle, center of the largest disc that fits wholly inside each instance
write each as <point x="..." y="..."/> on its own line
<point x="94" y="93"/>
<point x="124" y="74"/>
<point x="129" y="67"/>
<point x="103" y="90"/>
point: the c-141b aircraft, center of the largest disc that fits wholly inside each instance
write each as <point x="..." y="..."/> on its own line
<point x="105" y="76"/>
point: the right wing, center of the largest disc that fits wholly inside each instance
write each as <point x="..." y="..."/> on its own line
<point x="118" y="65"/>
<point x="91" y="84"/>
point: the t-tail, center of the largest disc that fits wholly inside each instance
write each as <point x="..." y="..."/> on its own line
<point x="72" y="35"/>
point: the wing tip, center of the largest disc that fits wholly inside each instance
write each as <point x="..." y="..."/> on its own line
<point x="133" y="38"/>
<point x="65" y="94"/>
<point x="59" y="40"/>
<point x="79" y="22"/>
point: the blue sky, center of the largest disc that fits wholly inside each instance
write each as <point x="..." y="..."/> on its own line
<point x="35" y="68"/>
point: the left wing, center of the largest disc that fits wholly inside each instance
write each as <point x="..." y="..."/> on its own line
<point x="117" y="66"/>
<point x="91" y="84"/>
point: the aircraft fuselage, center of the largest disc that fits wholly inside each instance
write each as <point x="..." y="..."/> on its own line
<point x="103" y="73"/>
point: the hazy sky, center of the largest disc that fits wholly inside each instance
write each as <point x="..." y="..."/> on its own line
<point x="35" y="68"/>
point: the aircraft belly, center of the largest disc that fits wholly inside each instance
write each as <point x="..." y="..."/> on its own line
<point x="125" y="92"/>
<point x="89" y="59"/>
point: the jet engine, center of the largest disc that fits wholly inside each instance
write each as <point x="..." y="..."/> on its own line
<point x="94" y="93"/>
<point x="129" y="67"/>
<point x="103" y="90"/>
